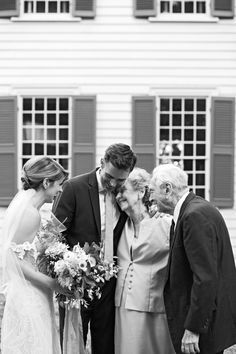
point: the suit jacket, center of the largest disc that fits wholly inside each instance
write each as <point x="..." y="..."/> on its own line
<point x="200" y="292"/>
<point x="78" y="208"/>
<point x="144" y="273"/>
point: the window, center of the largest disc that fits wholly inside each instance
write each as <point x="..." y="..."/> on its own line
<point x="183" y="6"/>
<point x="46" y="6"/>
<point x="182" y="136"/>
<point x="46" y="129"/>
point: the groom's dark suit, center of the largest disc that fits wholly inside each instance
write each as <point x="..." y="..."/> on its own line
<point x="200" y="293"/>
<point x="78" y="207"/>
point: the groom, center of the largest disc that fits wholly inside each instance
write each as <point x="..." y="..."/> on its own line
<point x="82" y="206"/>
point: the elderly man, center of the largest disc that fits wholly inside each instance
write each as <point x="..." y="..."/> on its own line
<point x="200" y="290"/>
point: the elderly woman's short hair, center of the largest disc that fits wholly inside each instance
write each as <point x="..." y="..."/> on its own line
<point x="139" y="178"/>
<point x="169" y="173"/>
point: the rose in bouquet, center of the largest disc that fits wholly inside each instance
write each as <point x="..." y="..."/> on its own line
<point x="82" y="270"/>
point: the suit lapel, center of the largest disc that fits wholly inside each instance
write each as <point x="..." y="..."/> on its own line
<point x="190" y="196"/>
<point x="94" y="198"/>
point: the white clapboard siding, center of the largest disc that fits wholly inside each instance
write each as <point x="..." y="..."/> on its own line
<point x="116" y="56"/>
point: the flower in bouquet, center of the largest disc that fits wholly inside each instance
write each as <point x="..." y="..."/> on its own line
<point x="82" y="270"/>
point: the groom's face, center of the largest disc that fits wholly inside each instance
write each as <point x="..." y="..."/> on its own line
<point x="112" y="178"/>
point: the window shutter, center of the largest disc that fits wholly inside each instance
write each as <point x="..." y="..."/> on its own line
<point x="144" y="131"/>
<point x="84" y="8"/>
<point x="9" y="8"/>
<point x="145" y="8"/>
<point x="222" y="159"/>
<point x="8" y="149"/>
<point x="223" y="8"/>
<point x="84" y="122"/>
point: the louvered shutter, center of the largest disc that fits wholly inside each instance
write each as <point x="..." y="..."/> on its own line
<point x="9" y="8"/>
<point x="222" y="148"/>
<point x="84" y="8"/>
<point x="84" y="122"/>
<point x="223" y="8"/>
<point x="145" y="8"/>
<point x="144" y="131"/>
<point x="8" y="149"/>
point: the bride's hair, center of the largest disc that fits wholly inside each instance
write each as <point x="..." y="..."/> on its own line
<point x="36" y="169"/>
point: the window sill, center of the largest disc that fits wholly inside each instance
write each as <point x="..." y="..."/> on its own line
<point x="45" y="18"/>
<point x="183" y="18"/>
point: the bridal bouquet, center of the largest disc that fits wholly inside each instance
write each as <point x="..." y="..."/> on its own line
<point x="81" y="270"/>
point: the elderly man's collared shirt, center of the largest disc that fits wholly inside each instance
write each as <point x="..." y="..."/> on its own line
<point x="178" y="207"/>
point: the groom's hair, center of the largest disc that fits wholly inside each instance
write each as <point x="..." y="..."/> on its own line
<point x="121" y="156"/>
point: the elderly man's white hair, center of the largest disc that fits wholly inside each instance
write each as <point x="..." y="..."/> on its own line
<point x="169" y="173"/>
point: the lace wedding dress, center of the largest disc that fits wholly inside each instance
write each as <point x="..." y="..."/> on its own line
<point x="28" y="325"/>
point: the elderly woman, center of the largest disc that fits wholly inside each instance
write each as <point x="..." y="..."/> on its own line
<point x="141" y="324"/>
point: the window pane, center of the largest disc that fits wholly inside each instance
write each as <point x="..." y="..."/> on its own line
<point x="177" y="7"/>
<point x="165" y="105"/>
<point x="200" y="179"/>
<point x="201" y="135"/>
<point x="63" y="149"/>
<point x="188" y="165"/>
<point x="189" y="7"/>
<point x="40" y="6"/>
<point x="200" y="192"/>
<point x="201" y="149"/>
<point x="190" y="179"/>
<point x="64" y="7"/>
<point x="201" y="119"/>
<point x="51" y="119"/>
<point x="27" y="149"/>
<point x="63" y="104"/>
<point x="176" y="149"/>
<point x="51" y="149"/>
<point x="188" y="134"/>
<point x="51" y="134"/>
<point x="39" y="119"/>
<point x="27" y="104"/>
<point x="27" y="134"/>
<point x="188" y="119"/>
<point x="176" y="119"/>
<point x="39" y="149"/>
<point x="200" y="165"/>
<point x="39" y="104"/>
<point x="201" y="7"/>
<point x="164" y="134"/>
<point x="63" y="119"/>
<point x="51" y="104"/>
<point x="64" y="163"/>
<point x="176" y="134"/>
<point x="188" y="105"/>
<point x="39" y="134"/>
<point x="165" y="6"/>
<point x="27" y="119"/>
<point x="63" y="134"/>
<point x="201" y="105"/>
<point x="177" y="104"/>
<point x="52" y="7"/>
<point x="188" y="149"/>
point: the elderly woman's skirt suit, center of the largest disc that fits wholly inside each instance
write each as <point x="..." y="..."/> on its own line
<point x="141" y="324"/>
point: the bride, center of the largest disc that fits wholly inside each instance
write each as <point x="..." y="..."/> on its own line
<point x="28" y="325"/>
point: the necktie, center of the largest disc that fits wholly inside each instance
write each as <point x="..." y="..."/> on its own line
<point x="108" y="242"/>
<point x="172" y="231"/>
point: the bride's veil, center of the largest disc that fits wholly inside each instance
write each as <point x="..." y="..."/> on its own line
<point x="12" y="219"/>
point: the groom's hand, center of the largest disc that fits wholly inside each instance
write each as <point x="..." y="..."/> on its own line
<point x="190" y="343"/>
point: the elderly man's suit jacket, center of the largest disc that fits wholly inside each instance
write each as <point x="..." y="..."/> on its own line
<point x="200" y="292"/>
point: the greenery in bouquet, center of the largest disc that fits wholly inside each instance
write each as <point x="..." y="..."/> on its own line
<point x="82" y="270"/>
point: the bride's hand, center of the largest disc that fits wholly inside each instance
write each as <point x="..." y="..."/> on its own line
<point x="60" y="290"/>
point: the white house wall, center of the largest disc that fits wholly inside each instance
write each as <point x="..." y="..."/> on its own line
<point x="116" y="56"/>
